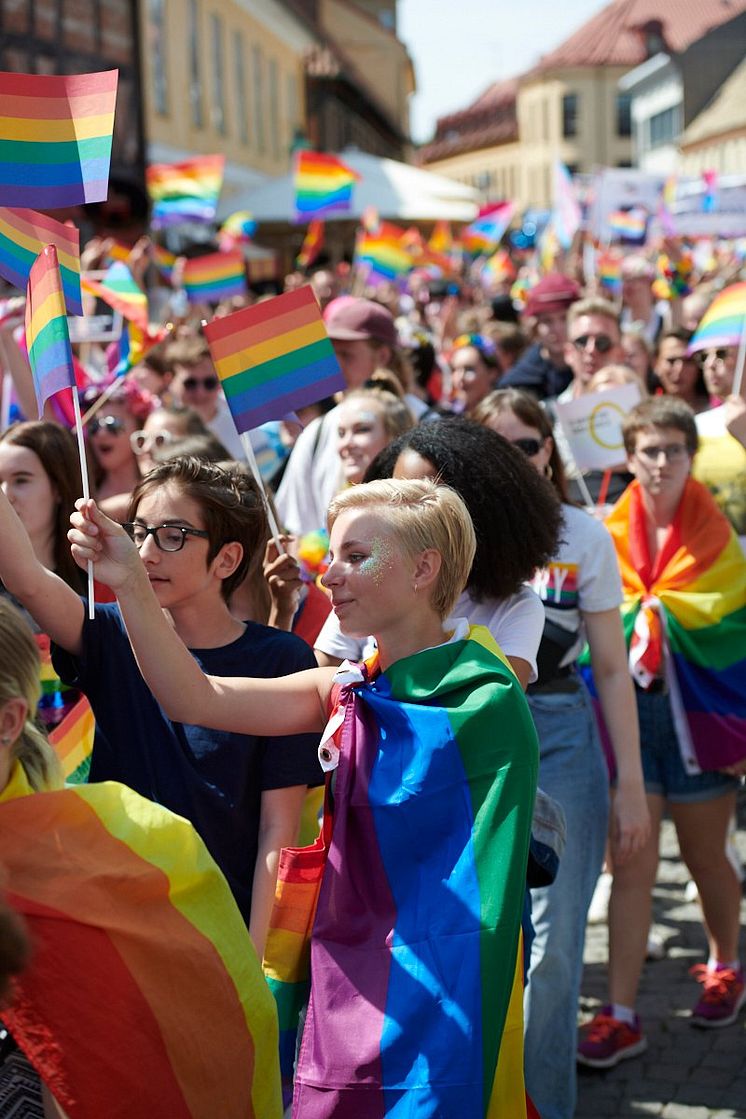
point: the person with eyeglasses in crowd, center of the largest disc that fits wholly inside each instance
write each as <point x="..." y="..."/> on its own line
<point x="667" y="533"/>
<point x="581" y="593"/>
<point x="164" y="426"/>
<point x="113" y="463"/>
<point x="196" y="528"/>
<point x="196" y="385"/>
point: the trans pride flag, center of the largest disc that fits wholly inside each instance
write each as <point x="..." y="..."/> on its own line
<point x="416" y="974"/>
<point x="692" y="599"/>
<point x="144" y="990"/>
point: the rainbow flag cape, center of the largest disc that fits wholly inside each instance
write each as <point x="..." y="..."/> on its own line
<point x="144" y="990"/>
<point x="322" y="183"/>
<point x="313" y="243"/>
<point x="416" y="970"/>
<point x="484" y="234"/>
<point x="119" y="290"/>
<point x="184" y="192"/>
<point x="384" y="254"/>
<point x="47" y="335"/>
<point x="723" y="322"/>
<point x="73" y="742"/>
<point x="629" y="226"/>
<point x="208" y="279"/>
<point x="55" y="138"/>
<point x="273" y="358"/>
<point x="23" y="235"/>
<point x="692" y="599"/>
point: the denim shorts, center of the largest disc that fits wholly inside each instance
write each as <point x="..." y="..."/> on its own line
<point x="662" y="768"/>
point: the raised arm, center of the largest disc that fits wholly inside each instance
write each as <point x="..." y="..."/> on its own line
<point x="287" y="705"/>
<point x="54" y="606"/>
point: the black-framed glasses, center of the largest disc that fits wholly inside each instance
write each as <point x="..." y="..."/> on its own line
<point x="144" y="441"/>
<point x="207" y="383"/>
<point x="169" y="538"/>
<point x="602" y="342"/>
<point x="110" y="424"/>
<point x="530" y="447"/>
<point x="716" y="355"/>
<point x="673" y="452"/>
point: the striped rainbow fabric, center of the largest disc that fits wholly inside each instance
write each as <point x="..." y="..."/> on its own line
<point x="47" y="335"/>
<point x="119" y="290"/>
<point x="416" y="969"/>
<point x="699" y="580"/>
<point x="485" y="233"/>
<point x="629" y="225"/>
<point x="208" y="279"/>
<point x="723" y="322"/>
<point x="23" y="235"/>
<point x="313" y="243"/>
<point x="73" y="742"/>
<point x="144" y="989"/>
<point x="55" y="138"/>
<point x="322" y="183"/>
<point x="383" y="254"/>
<point x="184" y="192"/>
<point x="273" y="357"/>
<point x="164" y="261"/>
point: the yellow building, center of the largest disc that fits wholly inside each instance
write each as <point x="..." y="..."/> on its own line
<point x="716" y="139"/>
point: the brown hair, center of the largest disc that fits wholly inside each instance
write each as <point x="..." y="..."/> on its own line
<point x="188" y="351"/>
<point x="660" y="411"/>
<point x="230" y="502"/>
<point x="57" y="452"/>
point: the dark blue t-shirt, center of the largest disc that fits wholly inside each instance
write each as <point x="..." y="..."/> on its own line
<point x="213" y="778"/>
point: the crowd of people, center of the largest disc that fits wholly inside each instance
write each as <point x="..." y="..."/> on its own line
<point x="453" y="616"/>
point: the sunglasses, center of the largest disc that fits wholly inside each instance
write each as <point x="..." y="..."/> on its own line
<point x="530" y="447"/>
<point x="208" y="383"/>
<point x="712" y="355"/>
<point x="144" y="441"/>
<point x="601" y="342"/>
<point x="106" y="423"/>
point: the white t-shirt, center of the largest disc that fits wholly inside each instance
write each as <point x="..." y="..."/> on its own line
<point x="516" y="623"/>
<point x="584" y="577"/>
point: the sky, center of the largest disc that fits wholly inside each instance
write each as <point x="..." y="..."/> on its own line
<point x="459" y="47"/>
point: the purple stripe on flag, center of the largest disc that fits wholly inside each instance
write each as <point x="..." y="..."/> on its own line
<point x="279" y="406"/>
<point x="40" y="197"/>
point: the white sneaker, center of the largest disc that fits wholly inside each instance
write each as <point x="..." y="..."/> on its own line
<point x="598" y="911"/>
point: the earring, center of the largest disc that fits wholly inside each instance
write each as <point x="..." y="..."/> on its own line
<point x="548" y="471"/>
<point x="5" y="740"/>
<point x="414" y="588"/>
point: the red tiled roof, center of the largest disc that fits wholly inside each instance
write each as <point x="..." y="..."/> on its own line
<point x="500" y="132"/>
<point x="616" y="35"/>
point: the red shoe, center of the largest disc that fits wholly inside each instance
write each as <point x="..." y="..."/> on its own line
<point x="723" y="996"/>
<point x="606" y="1041"/>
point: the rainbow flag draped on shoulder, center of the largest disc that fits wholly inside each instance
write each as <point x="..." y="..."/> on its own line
<point x="144" y="996"/>
<point x="690" y="602"/>
<point x="416" y="975"/>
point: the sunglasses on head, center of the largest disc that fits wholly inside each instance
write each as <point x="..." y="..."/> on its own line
<point x="530" y="447"/>
<point x="208" y="383"/>
<point x="602" y="342"/>
<point x="106" y="423"/>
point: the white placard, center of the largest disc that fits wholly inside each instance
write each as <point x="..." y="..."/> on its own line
<point x="592" y="425"/>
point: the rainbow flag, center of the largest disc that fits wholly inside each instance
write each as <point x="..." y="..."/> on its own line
<point x="164" y="261"/>
<point x="120" y="291"/>
<point x="383" y="254"/>
<point x="322" y="183"/>
<point x="416" y="969"/>
<point x="441" y="239"/>
<point x="47" y="335"/>
<point x="629" y="226"/>
<point x="610" y="271"/>
<point x="134" y="345"/>
<point x="723" y="322"/>
<point x="23" y="235"/>
<point x="73" y="742"/>
<point x="273" y="358"/>
<point x="208" y="279"/>
<point x="144" y="989"/>
<point x="485" y="234"/>
<point x="313" y="243"/>
<point x="184" y="192"/>
<point x="238" y="229"/>
<point x="499" y="268"/>
<point x="117" y="251"/>
<point x="55" y="138"/>
<point x="694" y="593"/>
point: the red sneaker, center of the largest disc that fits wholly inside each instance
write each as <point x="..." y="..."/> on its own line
<point x="723" y="996"/>
<point x="606" y="1041"/>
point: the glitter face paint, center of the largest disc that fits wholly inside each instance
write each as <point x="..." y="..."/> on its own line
<point x="380" y="560"/>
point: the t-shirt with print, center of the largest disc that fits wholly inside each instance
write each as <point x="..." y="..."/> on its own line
<point x="213" y="778"/>
<point x="584" y="577"/>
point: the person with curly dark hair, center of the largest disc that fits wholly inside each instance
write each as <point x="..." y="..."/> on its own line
<point x="516" y="517"/>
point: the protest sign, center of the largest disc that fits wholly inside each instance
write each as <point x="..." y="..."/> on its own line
<point x="592" y="425"/>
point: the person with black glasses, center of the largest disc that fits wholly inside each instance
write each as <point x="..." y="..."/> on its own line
<point x="196" y="528"/>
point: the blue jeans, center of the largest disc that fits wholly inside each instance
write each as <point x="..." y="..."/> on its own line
<point x="572" y="769"/>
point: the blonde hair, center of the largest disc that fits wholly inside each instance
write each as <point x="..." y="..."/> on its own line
<point x="422" y="515"/>
<point x="19" y="679"/>
<point x="593" y="306"/>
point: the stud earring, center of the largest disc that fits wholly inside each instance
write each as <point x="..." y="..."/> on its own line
<point x="5" y="740"/>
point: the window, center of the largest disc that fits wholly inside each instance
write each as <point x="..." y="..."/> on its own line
<point x="257" y="63"/>
<point x="195" y="79"/>
<point x="274" y="109"/>
<point x="218" y="89"/>
<point x="157" y="44"/>
<point x="238" y="66"/>
<point x="623" y="114"/>
<point x="570" y="115"/>
<point x="663" y="128"/>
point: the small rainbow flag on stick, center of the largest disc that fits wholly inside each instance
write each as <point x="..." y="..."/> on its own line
<point x="55" y="138"/>
<point x="164" y="261"/>
<point x="273" y="358"/>
<point x="384" y="253"/>
<point x="47" y="336"/>
<point x="485" y="234"/>
<point x="23" y="235"/>
<point x="313" y="242"/>
<point x="208" y="279"/>
<point x="724" y="321"/>
<point x="322" y="183"/>
<point x="629" y="226"/>
<point x="183" y="192"/>
<point x="73" y="742"/>
<point x="120" y="291"/>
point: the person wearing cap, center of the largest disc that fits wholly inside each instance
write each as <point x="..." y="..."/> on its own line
<point x="542" y="369"/>
<point x="364" y="337"/>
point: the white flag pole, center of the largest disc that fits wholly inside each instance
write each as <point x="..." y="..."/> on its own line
<point x="86" y="493"/>
<point x="741" y="358"/>
<point x="248" y="450"/>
